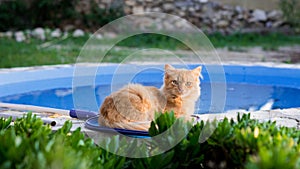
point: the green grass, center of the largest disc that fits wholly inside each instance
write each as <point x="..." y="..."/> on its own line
<point x="34" y="52"/>
<point x="15" y="54"/>
<point x="266" y="41"/>
<point x="153" y="41"/>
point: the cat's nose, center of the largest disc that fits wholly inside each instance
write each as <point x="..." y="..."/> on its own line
<point x="180" y="90"/>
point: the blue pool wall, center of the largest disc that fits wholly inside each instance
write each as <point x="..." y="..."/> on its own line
<point x="40" y="79"/>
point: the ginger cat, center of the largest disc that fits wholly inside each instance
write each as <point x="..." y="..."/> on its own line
<point x="134" y="106"/>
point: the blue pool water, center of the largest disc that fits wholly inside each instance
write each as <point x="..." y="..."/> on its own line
<point x="239" y="96"/>
<point x="247" y="87"/>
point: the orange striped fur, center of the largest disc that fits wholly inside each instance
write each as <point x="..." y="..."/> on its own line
<point x="134" y="106"/>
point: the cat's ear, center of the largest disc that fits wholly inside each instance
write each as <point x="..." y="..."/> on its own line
<point x="168" y="67"/>
<point x="168" y="70"/>
<point x="197" y="71"/>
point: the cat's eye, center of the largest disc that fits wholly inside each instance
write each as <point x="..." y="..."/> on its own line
<point x="188" y="83"/>
<point x="174" y="82"/>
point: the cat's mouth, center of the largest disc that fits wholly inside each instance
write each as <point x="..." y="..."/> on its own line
<point x="185" y="94"/>
<point x="180" y="94"/>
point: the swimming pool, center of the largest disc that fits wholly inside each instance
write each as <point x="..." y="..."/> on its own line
<point x="247" y="87"/>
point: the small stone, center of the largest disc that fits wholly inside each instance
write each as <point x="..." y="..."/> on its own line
<point x="102" y="6"/>
<point x="127" y="10"/>
<point x="207" y="21"/>
<point x="146" y="22"/>
<point x="222" y="23"/>
<point x="215" y="5"/>
<point x="240" y="16"/>
<point x="183" y="8"/>
<point x="197" y="15"/>
<point x="191" y="9"/>
<point x="168" y="6"/>
<point x="19" y="36"/>
<point x="269" y="24"/>
<point x="9" y="34"/>
<point x="259" y="15"/>
<point x="158" y="27"/>
<point x="239" y="9"/>
<point x="277" y="24"/>
<point x="274" y="15"/>
<point x="197" y="7"/>
<point x="130" y="2"/>
<point x="106" y="1"/>
<point x="203" y="1"/>
<point x="157" y="20"/>
<point x="179" y="3"/>
<point x="56" y="33"/>
<point x="208" y="12"/>
<point x="185" y="4"/>
<point x="39" y="33"/>
<point x="214" y="20"/>
<point x="226" y="14"/>
<point x="148" y="10"/>
<point x="110" y="35"/>
<point x="98" y="36"/>
<point x="138" y="9"/>
<point x="156" y="9"/>
<point x="235" y="24"/>
<point x="181" y="13"/>
<point x="78" y="33"/>
<point x="68" y="28"/>
<point x="181" y="23"/>
<point x="228" y="7"/>
<point x="168" y="26"/>
<point x="252" y="20"/>
<point x="218" y="15"/>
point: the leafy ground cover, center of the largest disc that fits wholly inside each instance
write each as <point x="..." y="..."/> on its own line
<point x="65" y="51"/>
<point x="245" y="143"/>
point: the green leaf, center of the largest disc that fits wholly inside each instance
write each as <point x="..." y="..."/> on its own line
<point x="4" y="123"/>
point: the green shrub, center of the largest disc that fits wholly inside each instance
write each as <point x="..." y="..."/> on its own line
<point x="23" y="14"/>
<point x="290" y="9"/>
<point x="245" y="143"/>
<point x="51" y="13"/>
<point x="30" y="144"/>
<point x="13" y="14"/>
<point x="99" y="17"/>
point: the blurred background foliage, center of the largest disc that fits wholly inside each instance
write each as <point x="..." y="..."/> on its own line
<point x="28" y="14"/>
<point x="291" y="12"/>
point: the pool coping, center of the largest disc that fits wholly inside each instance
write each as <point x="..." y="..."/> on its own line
<point x="283" y="117"/>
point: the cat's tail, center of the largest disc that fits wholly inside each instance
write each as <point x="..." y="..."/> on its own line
<point x="142" y="126"/>
<point x="127" y="109"/>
